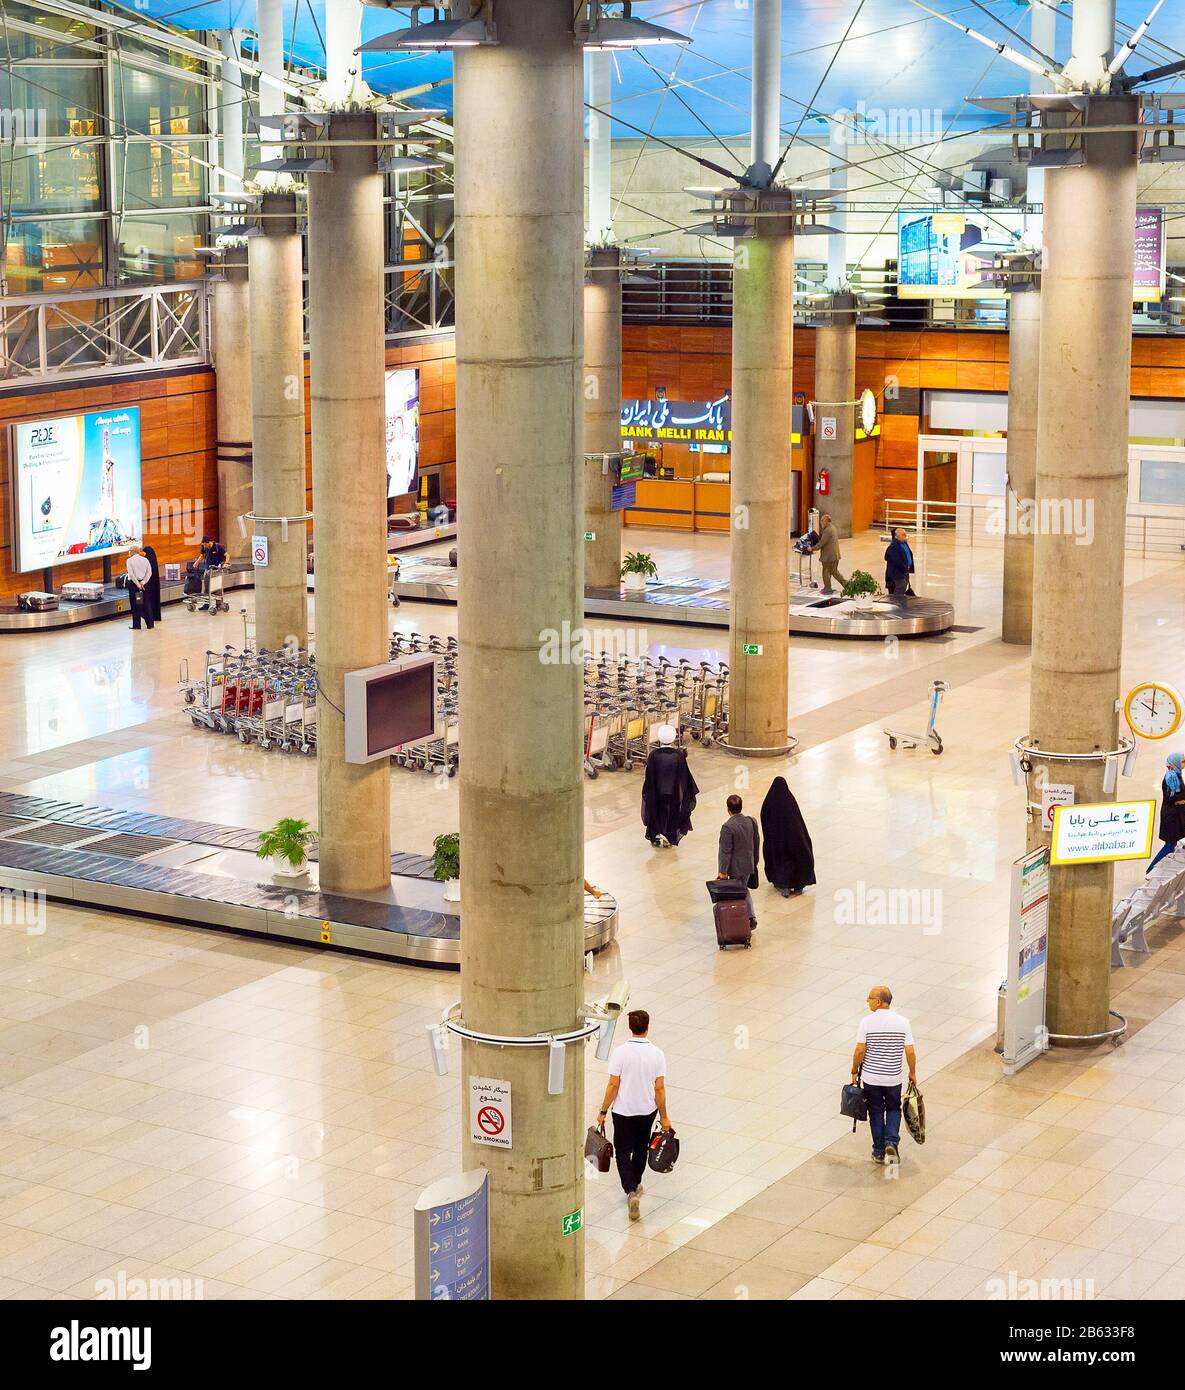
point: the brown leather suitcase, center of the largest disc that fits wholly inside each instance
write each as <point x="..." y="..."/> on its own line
<point x="732" y="923"/>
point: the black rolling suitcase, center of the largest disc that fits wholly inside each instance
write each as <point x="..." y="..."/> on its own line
<point x="730" y="909"/>
<point x="193" y="580"/>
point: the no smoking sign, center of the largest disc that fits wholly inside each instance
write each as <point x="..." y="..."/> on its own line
<point x="490" y="1112"/>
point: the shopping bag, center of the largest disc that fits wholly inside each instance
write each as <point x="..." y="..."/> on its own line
<point x="598" y="1150"/>
<point x="913" y="1112"/>
<point x="663" y="1152"/>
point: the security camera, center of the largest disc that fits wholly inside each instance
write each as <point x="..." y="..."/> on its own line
<point x="613" y="1006"/>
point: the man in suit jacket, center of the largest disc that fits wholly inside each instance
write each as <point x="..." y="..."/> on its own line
<point x="740" y="849"/>
<point x="828" y="549"/>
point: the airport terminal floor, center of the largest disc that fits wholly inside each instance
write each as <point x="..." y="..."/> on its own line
<point x="258" y="1117"/>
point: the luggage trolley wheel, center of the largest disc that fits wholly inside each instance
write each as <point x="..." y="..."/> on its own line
<point x="936" y="747"/>
<point x="892" y="741"/>
<point x="242" y="735"/>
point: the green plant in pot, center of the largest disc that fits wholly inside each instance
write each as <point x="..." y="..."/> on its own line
<point x="862" y="588"/>
<point x="446" y="865"/>
<point x="287" y="844"/>
<point x="637" y="567"/>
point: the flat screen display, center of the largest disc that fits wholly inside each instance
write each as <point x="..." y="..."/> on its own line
<point x="400" y="709"/>
<point x="952" y="255"/>
<point x="76" y="491"/>
<point x="402" y="429"/>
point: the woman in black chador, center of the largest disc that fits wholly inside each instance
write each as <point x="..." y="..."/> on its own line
<point x="785" y="841"/>
<point x="668" y="792"/>
<point x="152" y="588"/>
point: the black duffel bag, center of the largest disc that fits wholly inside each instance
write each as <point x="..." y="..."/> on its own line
<point x="726" y="890"/>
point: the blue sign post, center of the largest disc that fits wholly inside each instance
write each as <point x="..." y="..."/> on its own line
<point x="452" y="1232"/>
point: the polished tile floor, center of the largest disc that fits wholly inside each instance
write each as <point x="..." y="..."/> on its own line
<point x="180" y="1104"/>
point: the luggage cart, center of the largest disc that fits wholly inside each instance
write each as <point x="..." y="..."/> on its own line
<point x="210" y="600"/>
<point x="931" y="737"/>
<point x="803" y="548"/>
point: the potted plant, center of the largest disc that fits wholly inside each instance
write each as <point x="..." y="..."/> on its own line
<point x="636" y="569"/>
<point x="861" y="588"/>
<point x="286" y="844"/>
<point x="446" y="865"/>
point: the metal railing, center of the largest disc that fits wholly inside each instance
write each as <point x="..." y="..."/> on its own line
<point x="987" y="521"/>
<point x="81" y="333"/>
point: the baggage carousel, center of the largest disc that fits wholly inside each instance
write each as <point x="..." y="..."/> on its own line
<point x="207" y="875"/>
<point x="704" y="603"/>
<point x="239" y="574"/>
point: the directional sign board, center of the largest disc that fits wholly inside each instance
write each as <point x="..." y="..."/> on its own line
<point x="452" y="1219"/>
<point x="489" y="1112"/>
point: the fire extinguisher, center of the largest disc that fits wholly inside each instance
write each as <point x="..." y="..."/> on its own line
<point x="824" y="482"/>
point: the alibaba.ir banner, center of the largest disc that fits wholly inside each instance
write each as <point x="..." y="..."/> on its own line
<point x="78" y="489"/>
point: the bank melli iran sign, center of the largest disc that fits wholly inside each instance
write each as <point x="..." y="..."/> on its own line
<point x="1107" y="830"/>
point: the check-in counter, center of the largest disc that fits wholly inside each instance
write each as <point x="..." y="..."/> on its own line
<point x="668" y="502"/>
<point x="712" y="507"/>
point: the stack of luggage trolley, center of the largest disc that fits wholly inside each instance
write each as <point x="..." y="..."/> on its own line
<point x="627" y="700"/>
<point x="270" y="699"/>
<point x="267" y="698"/>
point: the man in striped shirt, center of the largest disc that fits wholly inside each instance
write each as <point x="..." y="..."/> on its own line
<point x="884" y="1044"/>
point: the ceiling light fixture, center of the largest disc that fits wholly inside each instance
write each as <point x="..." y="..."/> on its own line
<point x="602" y="32"/>
<point x="439" y="33"/>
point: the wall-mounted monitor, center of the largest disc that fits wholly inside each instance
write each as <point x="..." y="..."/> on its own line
<point x="402" y="429"/>
<point x="389" y="707"/>
<point x="76" y="491"/>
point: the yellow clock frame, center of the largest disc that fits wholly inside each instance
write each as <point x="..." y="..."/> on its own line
<point x="1167" y="690"/>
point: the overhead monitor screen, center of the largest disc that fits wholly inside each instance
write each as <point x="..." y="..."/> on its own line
<point x="402" y="430"/>
<point x="953" y="255"/>
<point x="76" y="490"/>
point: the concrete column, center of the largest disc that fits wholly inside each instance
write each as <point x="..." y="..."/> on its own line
<point x="602" y="413"/>
<point x="519" y="242"/>
<point x="1024" y="346"/>
<point x="345" y="240"/>
<point x="269" y="25"/>
<point x="600" y="149"/>
<point x="1024" y="367"/>
<point x="233" y="106"/>
<point x="277" y="411"/>
<point x="230" y="316"/>
<point x="762" y="398"/>
<point x="762" y="401"/>
<point x="343" y="85"/>
<point x="835" y="383"/>
<point x="1082" y="440"/>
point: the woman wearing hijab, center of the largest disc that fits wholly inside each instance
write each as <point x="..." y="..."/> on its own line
<point x="152" y="588"/>
<point x="786" y="844"/>
<point x="898" y="564"/>
<point x="1172" y="808"/>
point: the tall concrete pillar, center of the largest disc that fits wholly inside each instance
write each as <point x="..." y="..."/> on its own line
<point x="345" y="249"/>
<point x="602" y="413"/>
<point x="1024" y="368"/>
<point x="1024" y="346"/>
<point x="835" y="390"/>
<point x="1082" y="443"/>
<point x="277" y="412"/>
<point x="230" y="316"/>
<point x="519" y="244"/>
<point x="762" y="413"/>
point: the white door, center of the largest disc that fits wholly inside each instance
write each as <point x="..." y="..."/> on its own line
<point x="961" y="482"/>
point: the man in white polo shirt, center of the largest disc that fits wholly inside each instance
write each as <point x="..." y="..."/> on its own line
<point x="884" y="1044"/>
<point x="636" y="1092"/>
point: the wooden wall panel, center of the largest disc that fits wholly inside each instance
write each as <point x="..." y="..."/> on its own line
<point x="178" y="466"/>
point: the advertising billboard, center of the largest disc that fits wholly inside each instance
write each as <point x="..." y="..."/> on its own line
<point x="952" y="255"/>
<point x="76" y="490"/>
<point x="402" y="429"/>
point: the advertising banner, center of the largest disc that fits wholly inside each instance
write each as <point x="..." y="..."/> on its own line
<point x="76" y="490"/>
<point x="1148" y="281"/>
<point x="1028" y="955"/>
<point x="402" y="390"/>
<point x="1098" y="832"/>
